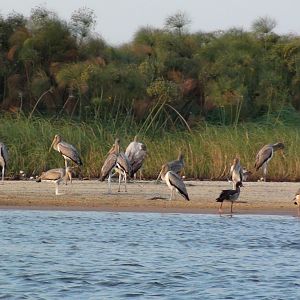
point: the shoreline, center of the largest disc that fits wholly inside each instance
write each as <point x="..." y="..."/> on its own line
<point x="260" y="198"/>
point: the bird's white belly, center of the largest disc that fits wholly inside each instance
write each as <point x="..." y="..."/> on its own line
<point x="166" y="178"/>
<point x="236" y="176"/>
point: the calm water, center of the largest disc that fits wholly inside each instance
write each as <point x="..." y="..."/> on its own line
<point x="93" y="255"/>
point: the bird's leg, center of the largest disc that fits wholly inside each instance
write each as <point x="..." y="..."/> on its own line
<point x="120" y="177"/>
<point x="231" y="207"/>
<point x="56" y="189"/>
<point x="66" y="166"/>
<point x="57" y="182"/>
<point x="298" y="210"/>
<point x="125" y="179"/>
<point x="109" y="183"/>
<point x="140" y="174"/>
<point x="264" y="171"/>
<point x="220" y="208"/>
<point x="3" y="170"/>
<point x="70" y="177"/>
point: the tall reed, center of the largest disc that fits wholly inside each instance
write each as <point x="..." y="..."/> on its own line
<point x="209" y="150"/>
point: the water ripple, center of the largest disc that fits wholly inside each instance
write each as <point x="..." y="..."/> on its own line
<point x="92" y="255"/>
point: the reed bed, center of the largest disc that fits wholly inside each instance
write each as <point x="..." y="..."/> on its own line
<point x="209" y="150"/>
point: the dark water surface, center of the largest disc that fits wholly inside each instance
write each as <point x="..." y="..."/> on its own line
<point x="96" y="255"/>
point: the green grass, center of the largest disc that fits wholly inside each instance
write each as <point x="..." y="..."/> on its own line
<point x="209" y="150"/>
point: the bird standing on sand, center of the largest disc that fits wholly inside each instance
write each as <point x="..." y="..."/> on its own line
<point x="236" y="172"/>
<point x="175" y="166"/>
<point x="297" y="201"/>
<point x="264" y="156"/>
<point x="136" y="153"/>
<point x="123" y="167"/>
<point x="56" y="176"/>
<point x="68" y="151"/>
<point x="174" y="182"/>
<point x="3" y="158"/>
<point x="229" y="195"/>
<point x="115" y="160"/>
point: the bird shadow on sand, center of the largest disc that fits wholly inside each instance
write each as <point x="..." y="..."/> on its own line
<point x="157" y="197"/>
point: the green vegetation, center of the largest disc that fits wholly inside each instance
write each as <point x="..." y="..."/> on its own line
<point x="213" y="95"/>
<point x="50" y="66"/>
<point x="209" y="150"/>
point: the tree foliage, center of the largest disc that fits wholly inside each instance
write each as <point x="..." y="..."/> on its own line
<point x="223" y="76"/>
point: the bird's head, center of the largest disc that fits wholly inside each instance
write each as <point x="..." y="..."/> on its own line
<point x="236" y="161"/>
<point x="56" y="140"/>
<point x="239" y="184"/>
<point x="278" y="146"/>
<point x="180" y="156"/>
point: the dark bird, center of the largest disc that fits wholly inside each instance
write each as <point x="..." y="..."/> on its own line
<point x="174" y="182"/>
<point x="56" y="176"/>
<point x="3" y="159"/>
<point x="68" y="151"/>
<point x="229" y="195"/>
<point x="264" y="155"/>
<point x="136" y="153"/>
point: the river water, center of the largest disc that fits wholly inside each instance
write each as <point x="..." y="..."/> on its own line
<point x="98" y="255"/>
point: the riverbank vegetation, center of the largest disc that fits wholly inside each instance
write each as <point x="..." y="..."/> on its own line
<point x="208" y="149"/>
<point x="62" y="67"/>
<point x="213" y="95"/>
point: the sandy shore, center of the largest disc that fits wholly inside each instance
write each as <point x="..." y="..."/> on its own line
<point x="144" y="196"/>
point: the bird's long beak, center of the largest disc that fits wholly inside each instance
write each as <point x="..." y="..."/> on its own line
<point x="52" y="145"/>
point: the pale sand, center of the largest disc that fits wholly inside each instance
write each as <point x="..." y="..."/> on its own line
<point x="255" y="197"/>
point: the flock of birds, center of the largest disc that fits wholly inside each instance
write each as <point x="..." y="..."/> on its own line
<point x="128" y="163"/>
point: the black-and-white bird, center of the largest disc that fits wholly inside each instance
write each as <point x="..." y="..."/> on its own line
<point x="3" y="159"/>
<point x="229" y="195"/>
<point x="297" y="201"/>
<point x="68" y="151"/>
<point x="236" y="172"/>
<point x="136" y="153"/>
<point x="56" y="176"/>
<point x="117" y="161"/>
<point x="175" y="166"/>
<point x="264" y="155"/>
<point x="174" y="182"/>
